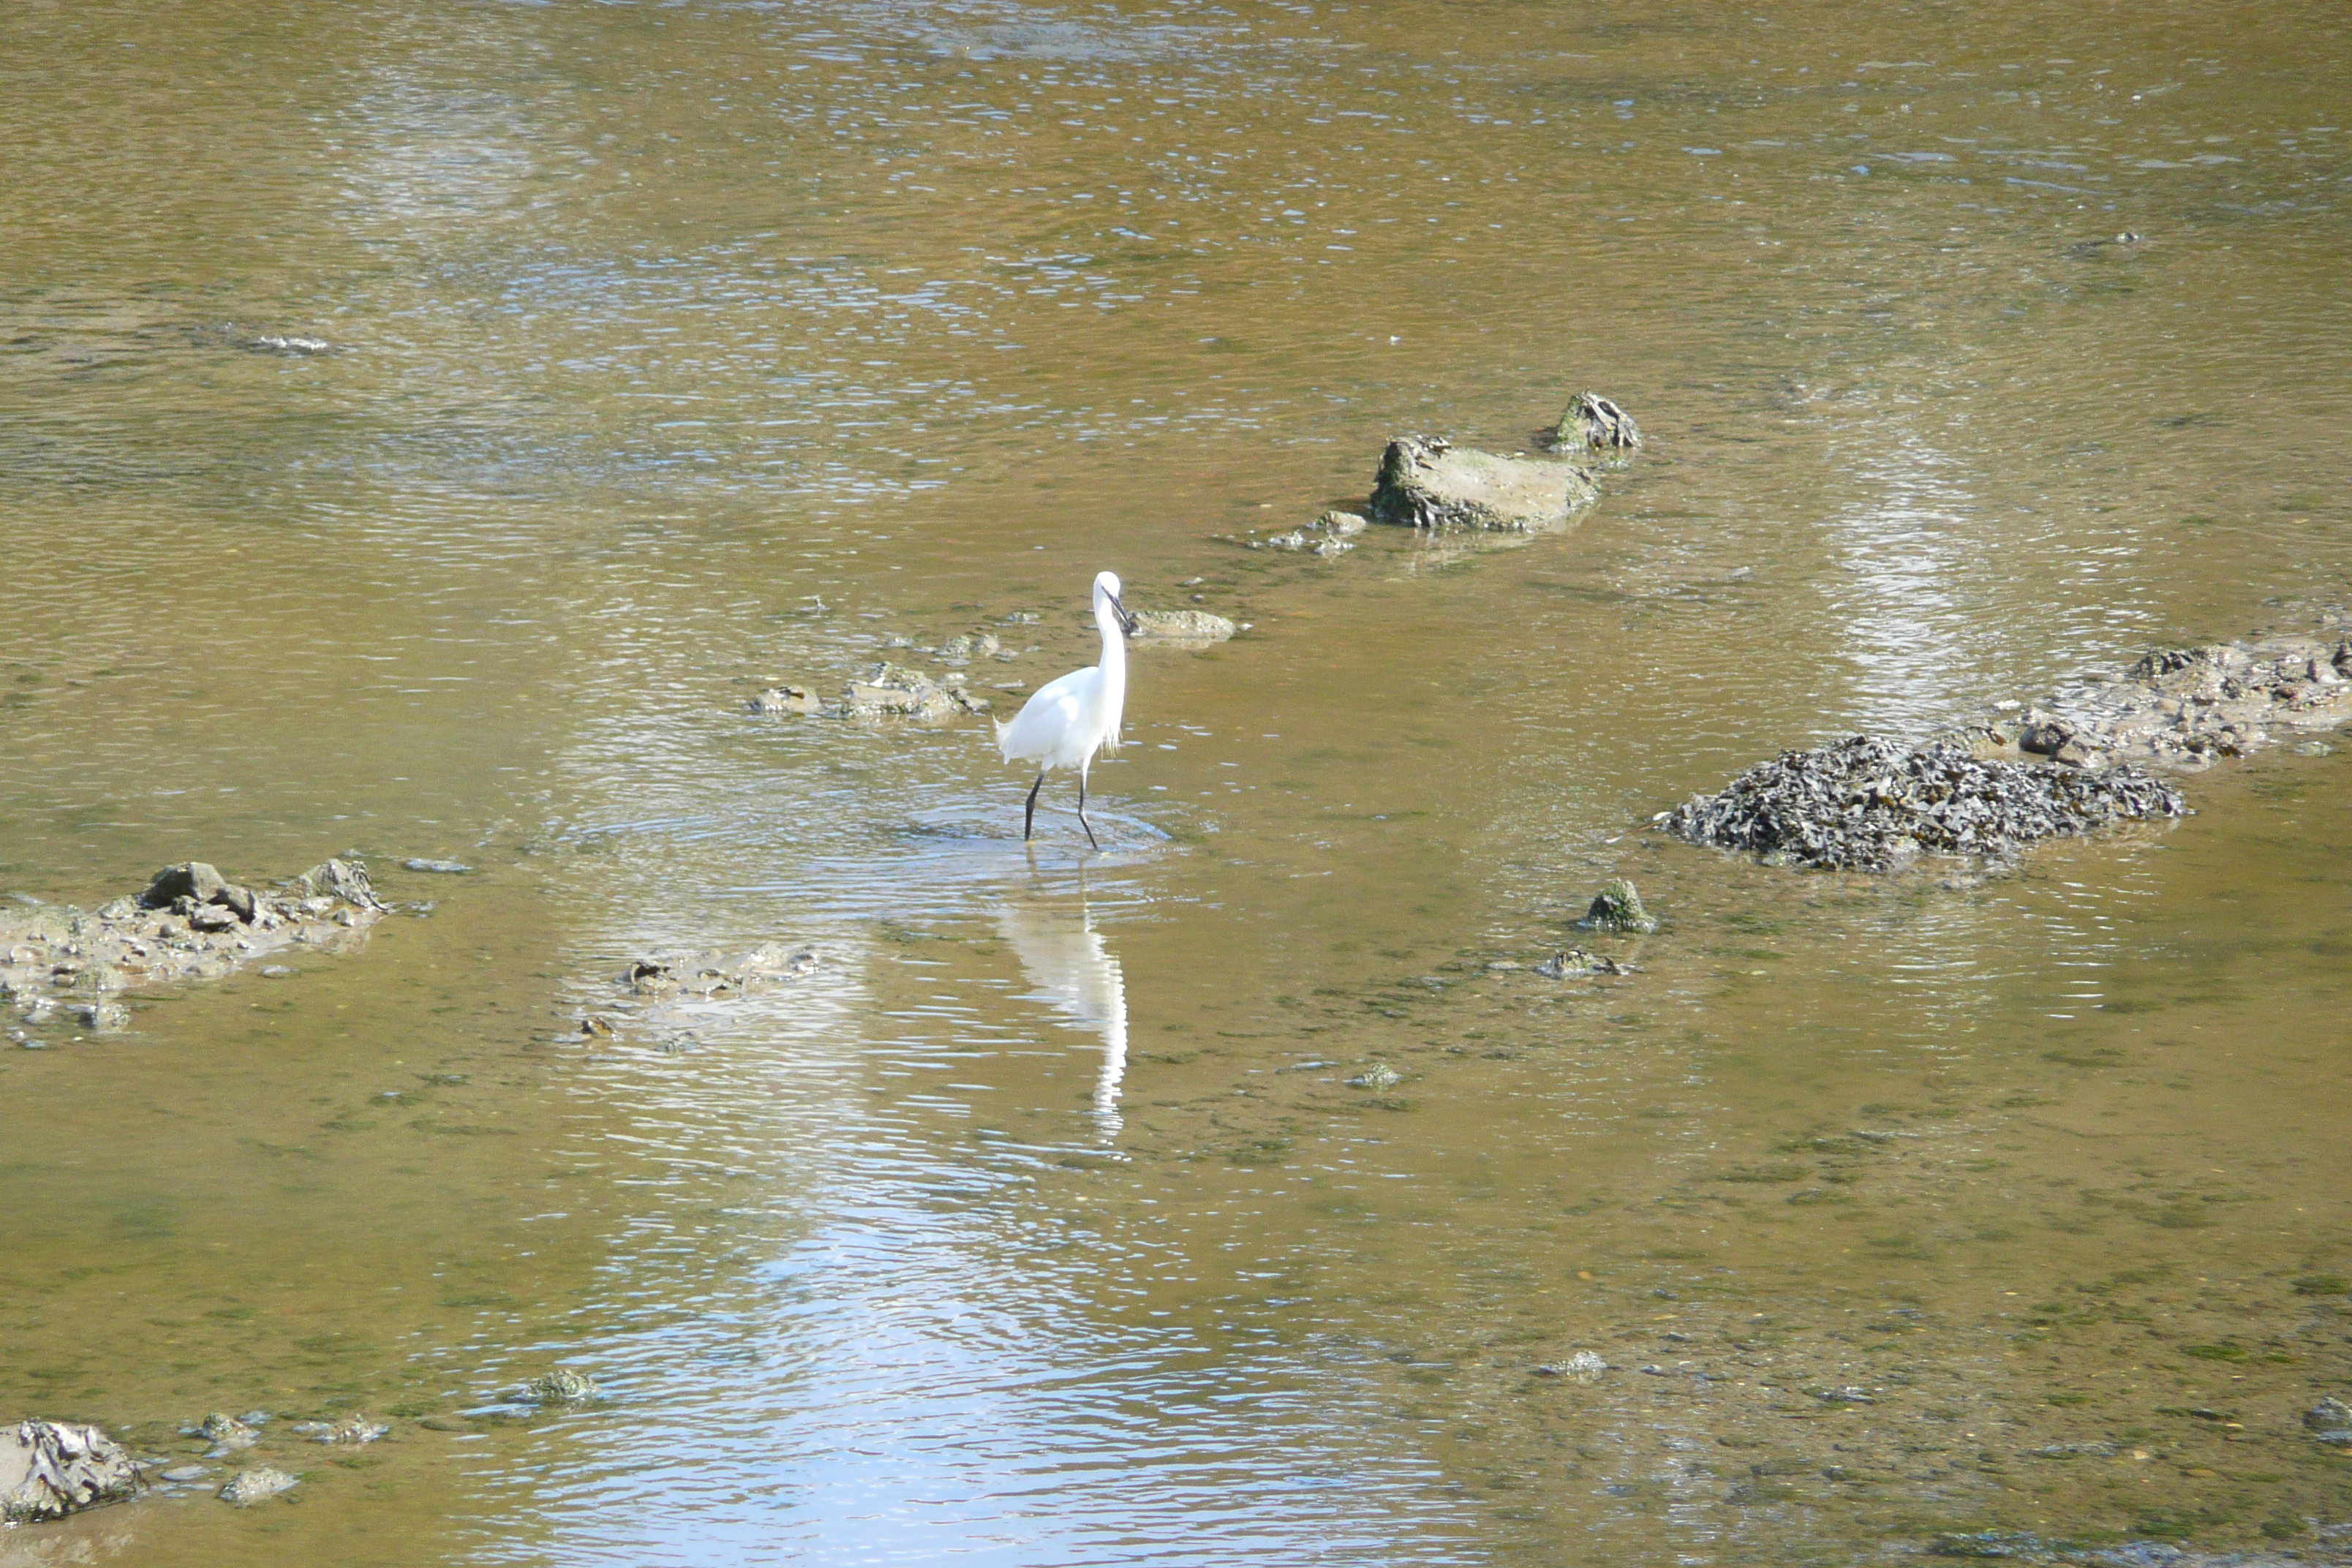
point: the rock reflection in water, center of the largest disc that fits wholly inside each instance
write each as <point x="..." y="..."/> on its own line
<point x="1061" y="951"/>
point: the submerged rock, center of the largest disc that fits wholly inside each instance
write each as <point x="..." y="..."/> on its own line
<point x="437" y="868"/>
<point x="966" y="647"/>
<point x="49" y="1470"/>
<point x="561" y="1386"/>
<point x="1618" y="907"/>
<point x="2328" y="1415"/>
<point x="1872" y="804"/>
<point x="1579" y="961"/>
<point x="1196" y="628"/>
<point x="351" y="1430"/>
<point x="1584" y="1366"/>
<point x="1331" y="533"/>
<point x="712" y="976"/>
<point x="1592" y="423"/>
<point x="258" y="1484"/>
<point x="1425" y="481"/>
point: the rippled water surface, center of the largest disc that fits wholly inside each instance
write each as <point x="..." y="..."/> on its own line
<point x="422" y="427"/>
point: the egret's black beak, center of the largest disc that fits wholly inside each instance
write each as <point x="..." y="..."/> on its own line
<point x="1126" y="623"/>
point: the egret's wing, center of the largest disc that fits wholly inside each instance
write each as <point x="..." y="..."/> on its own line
<point x="1049" y="716"/>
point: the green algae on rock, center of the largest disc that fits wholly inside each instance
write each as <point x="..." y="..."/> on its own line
<point x="1618" y="907"/>
<point x="1593" y="422"/>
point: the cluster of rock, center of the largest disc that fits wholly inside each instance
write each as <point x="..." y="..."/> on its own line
<point x="711" y="976"/>
<point x="2185" y="707"/>
<point x="1426" y="481"/>
<point x="1872" y="804"/>
<point x="189" y="923"/>
<point x="665" y="997"/>
<point x="889" y="691"/>
<point x="886" y="690"/>
<point x="51" y="1469"/>
<point x="1331" y="533"/>
<point x="2073" y="767"/>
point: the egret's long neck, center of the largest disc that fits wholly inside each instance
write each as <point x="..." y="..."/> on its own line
<point x="1114" y="646"/>
<point x="1114" y="671"/>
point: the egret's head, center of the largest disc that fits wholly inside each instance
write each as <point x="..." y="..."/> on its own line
<point x="1107" y="592"/>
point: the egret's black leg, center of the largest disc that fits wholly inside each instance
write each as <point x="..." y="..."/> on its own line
<point x="1029" y="822"/>
<point x="1082" y="810"/>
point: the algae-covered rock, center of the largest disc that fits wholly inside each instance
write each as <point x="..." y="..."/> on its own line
<point x="1593" y="422"/>
<point x="1425" y="481"/>
<point x="1380" y="1075"/>
<point x="2329" y="1414"/>
<point x="1618" y="907"/>
<point x="564" y="1385"/>
<point x="49" y="1470"/>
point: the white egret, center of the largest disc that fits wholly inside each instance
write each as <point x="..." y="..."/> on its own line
<point x="1066" y="721"/>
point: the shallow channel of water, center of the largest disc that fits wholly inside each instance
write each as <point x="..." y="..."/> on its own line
<point x="626" y="360"/>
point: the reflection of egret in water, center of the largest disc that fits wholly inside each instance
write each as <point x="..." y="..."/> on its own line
<point x="1065" y="955"/>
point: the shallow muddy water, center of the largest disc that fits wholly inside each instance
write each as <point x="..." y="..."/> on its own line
<point x="422" y="428"/>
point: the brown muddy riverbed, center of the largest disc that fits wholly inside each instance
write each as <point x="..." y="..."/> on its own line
<point x="424" y="430"/>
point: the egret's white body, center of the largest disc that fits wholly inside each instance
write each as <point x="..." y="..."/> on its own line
<point x="1066" y="721"/>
